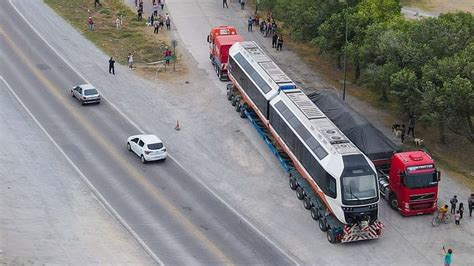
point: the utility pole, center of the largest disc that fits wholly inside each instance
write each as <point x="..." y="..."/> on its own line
<point x="345" y="61"/>
<point x="345" y="51"/>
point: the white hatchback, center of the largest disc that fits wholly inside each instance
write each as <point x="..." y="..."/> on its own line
<point x="147" y="147"/>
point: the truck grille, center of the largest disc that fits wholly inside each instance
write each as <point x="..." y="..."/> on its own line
<point x="422" y="197"/>
<point x="421" y="205"/>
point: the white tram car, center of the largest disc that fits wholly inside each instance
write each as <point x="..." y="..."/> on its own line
<point x="342" y="176"/>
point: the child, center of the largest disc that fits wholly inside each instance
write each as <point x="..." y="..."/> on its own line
<point x="461" y="209"/>
<point x="447" y="256"/>
<point x="457" y="217"/>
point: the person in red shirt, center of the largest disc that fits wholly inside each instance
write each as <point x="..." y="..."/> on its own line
<point x="167" y="53"/>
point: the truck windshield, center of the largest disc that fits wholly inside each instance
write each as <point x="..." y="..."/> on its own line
<point x="420" y="180"/>
<point x="359" y="187"/>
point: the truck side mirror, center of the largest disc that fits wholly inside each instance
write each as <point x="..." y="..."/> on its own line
<point x="438" y="175"/>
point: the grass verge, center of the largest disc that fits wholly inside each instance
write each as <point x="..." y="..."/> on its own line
<point x="133" y="37"/>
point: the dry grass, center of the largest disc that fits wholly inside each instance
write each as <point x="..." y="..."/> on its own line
<point x="441" y="6"/>
<point x="134" y="36"/>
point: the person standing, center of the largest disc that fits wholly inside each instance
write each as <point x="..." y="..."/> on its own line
<point x="156" y="27"/>
<point x="457" y="218"/>
<point x="274" y="40"/>
<point x="118" y="23"/>
<point x="162" y="4"/>
<point x="167" y="53"/>
<point x="453" y="202"/>
<point x="130" y="60"/>
<point x="447" y="256"/>
<point x="280" y="43"/>
<point x="470" y="204"/>
<point x="402" y="133"/>
<point x="168" y="22"/>
<point x="461" y="209"/>
<point x="411" y="126"/>
<point x="249" y="24"/>
<point x="242" y="4"/>
<point x="90" y="21"/>
<point x="152" y="20"/>
<point x="224" y="4"/>
<point x="111" y="66"/>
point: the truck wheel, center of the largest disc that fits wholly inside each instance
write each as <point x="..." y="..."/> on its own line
<point x="218" y="72"/>
<point x="393" y="202"/>
<point x="322" y="224"/>
<point x="229" y="94"/>
<point x="242" y="111"/>
<point x="307" y="203"/>
<point x="299" y="193"/>
<point x="331" y="237"/>
<point x="293" y="184"/>
<point x="314" y="213"/>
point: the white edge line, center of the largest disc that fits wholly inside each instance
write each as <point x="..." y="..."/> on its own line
<point x="95" y="192"/>
<point x="172" y="157"/>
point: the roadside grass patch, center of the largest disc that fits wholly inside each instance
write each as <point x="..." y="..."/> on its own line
<point x="133" y="37"/>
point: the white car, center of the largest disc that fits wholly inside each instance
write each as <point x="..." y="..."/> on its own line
<point x="147" y="147"/>
<point x="85" y="93"/>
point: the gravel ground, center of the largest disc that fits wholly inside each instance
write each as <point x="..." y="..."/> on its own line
<point x="227" y="154"/>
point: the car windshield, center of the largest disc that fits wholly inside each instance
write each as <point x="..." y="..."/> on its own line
<point x="421" y="180"/>
<point x="155" y="146"/>
<point x="359" y="187"/>
<point x="90" y="92"/>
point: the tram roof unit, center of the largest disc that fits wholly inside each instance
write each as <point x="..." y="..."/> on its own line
<point x="330" y="140"/>
<point x="260" y="63"/>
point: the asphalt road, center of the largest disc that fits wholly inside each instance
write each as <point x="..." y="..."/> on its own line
<point x="176" y="217"/>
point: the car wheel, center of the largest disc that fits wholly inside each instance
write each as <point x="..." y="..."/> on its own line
<point x="164" y="159"/>
<point x="72" y="94"/>
<point x="129" y="148"/>
<point x="143" y="159"/>
<point x="83" y="103"/>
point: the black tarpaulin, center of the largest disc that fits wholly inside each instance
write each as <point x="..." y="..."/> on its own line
<point x="373" y="143"/>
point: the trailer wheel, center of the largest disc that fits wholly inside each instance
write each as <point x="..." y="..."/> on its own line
<point x="299" y="193"/>
<point x="233" y="100"/>
<point x="314" y="213"/>
<point x="307" y="203"/>
<point x="229" y="94"/>
<point x="237" y="105"/>
<point x="293" y="183"/>
<point x="322" y="224"/>
<point x="330" y="236"/>
<point x="242" y="111"/>
<point x="393" y="202"/>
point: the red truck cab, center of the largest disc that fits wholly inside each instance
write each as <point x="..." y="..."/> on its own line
<point x="412" y="184"/>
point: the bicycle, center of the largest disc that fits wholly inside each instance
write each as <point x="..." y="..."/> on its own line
<point x="437" y="220"/>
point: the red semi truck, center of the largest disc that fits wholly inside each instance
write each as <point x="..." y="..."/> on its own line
<point x="410" y="183"/>
<point x="220" y="40"/>
<point x="408" y="180"/>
